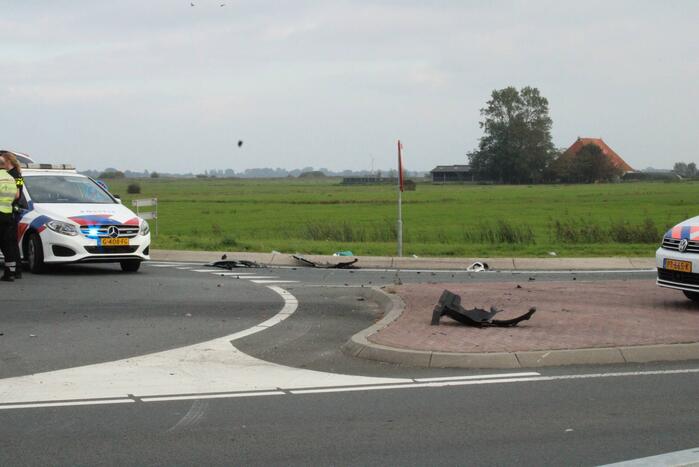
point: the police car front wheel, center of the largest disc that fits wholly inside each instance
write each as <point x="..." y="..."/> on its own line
<point x="693" y="296"/>
<point x="35" y="254"/>
<point x="130" y="265"/>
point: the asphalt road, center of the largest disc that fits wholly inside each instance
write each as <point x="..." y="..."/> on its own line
<point x="322" y="407"/>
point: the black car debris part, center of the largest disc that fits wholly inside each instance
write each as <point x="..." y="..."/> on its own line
<point x="336" y="265"/>
<point x="233" y="263"/>
<point x="450" y="305"/>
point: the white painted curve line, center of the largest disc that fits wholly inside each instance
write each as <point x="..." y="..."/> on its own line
<point x="688" y="457"/>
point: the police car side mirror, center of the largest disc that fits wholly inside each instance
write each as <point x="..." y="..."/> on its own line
<point x="118" y="198"/>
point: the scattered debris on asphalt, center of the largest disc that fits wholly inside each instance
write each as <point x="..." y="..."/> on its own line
<point x="343" y="253"/>
<point x="336" y="265"/>
<point x="450" y="305"/>
<point x="478" y="267"/>
<point x="233" y="263"/>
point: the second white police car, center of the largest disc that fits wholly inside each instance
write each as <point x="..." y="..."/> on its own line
<point x="677" y="259"/>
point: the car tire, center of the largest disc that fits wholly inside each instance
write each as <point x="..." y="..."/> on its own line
<point x="693" y="296"/>
<point x="130" y="265"/>
<point x="35" y="254"/>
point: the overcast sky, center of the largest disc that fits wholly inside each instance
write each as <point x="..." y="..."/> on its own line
<point x="162" y="85"/>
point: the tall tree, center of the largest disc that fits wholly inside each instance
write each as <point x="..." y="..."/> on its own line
<point x="685" y="170"/>
<point x="516" y="146"/>
<point x="680" y="168"/>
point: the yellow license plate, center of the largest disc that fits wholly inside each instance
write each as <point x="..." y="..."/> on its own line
<point x="114" y="241"/>
<point x="675" y="265"/>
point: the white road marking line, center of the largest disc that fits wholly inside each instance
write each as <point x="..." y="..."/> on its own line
<point x="212" y="396"/>
<point x="399" y="384"/>
<point x="233" y="273"/>
<point x="260" y="277"/>
<point x="205" y="270"/>
<point x="491" y="381"/>
<point x="501" y="375"/>
<point x="272" y="281"/>
<point x="64" y="404"/>
<point x="185" y="268"/>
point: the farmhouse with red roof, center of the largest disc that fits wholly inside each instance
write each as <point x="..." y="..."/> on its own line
<point x="606" y="150"/>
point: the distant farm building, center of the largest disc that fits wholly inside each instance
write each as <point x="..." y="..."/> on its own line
<point x="369" y="180"/>
<point x="452" y="174"/>
<point x="614" y="158"/>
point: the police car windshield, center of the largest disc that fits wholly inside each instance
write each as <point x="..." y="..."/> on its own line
<point x="65" y="189"/>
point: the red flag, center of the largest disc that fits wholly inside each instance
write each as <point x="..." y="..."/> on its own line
<point x="400" y="165"/>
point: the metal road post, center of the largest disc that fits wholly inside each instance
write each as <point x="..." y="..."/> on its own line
<point x="140" y="203"/>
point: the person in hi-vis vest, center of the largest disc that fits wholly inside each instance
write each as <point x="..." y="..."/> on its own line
<point x="8" y="237"/>
<point x="9" y="162"/>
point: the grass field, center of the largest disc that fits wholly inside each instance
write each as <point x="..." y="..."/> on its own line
<point x="321" y="217"/>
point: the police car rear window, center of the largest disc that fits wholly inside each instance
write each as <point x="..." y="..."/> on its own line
<point x="65" y="189"/>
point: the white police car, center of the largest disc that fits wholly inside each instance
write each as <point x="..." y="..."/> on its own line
<point x="677" y="259"/>
<point x="67" y="217"/>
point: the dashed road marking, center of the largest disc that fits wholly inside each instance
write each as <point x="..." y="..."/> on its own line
<point x="271" y="281"/>
<point x="224" y="274"/>
<point x="260" y="277"/>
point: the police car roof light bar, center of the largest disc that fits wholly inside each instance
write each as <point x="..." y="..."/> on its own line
<point x="49" y="166"/>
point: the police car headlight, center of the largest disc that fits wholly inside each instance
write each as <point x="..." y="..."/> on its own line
<point x="63" y="228"/>
<point x="145" y="228"/>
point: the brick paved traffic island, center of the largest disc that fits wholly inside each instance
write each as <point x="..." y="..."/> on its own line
<point x="570" y="315"/>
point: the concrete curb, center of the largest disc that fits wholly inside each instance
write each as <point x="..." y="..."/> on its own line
<point x="389" y="262"/>
<point x="359" y="346"/>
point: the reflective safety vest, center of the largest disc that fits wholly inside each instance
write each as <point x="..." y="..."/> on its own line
<point x="8" y="191"/>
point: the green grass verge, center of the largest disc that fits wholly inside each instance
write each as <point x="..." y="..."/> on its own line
<point x="322" y="216"/>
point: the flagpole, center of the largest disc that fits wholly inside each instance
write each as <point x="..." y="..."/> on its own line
<point x="400" y="201"/>
<point x="400" y="224"/>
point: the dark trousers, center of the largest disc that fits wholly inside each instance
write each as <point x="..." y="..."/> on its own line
<point x="8" y="239"/>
